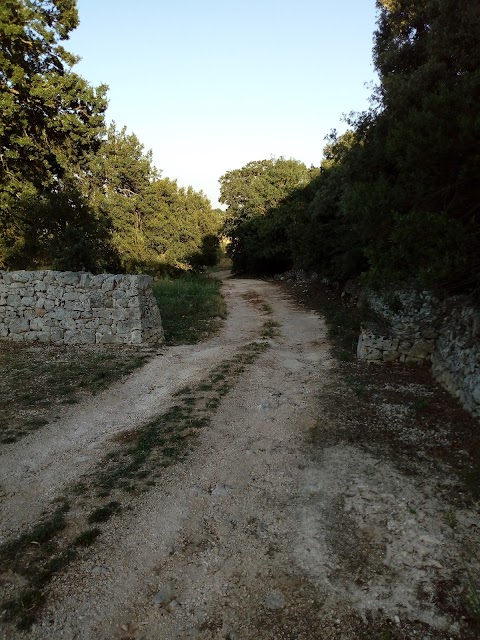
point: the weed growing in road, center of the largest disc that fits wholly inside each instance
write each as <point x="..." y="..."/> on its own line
<point x="419" y="405"/>
<point x="88" y="537"/>
<point x="270" y="329"/>
<point x="451" y="518"/>
<point x="102" y="514"/>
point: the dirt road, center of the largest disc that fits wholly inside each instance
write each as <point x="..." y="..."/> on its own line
<point x="253" y="534"/>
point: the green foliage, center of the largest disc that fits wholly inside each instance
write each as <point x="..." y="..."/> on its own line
<point x="397" y="197"/>
<point x="192" y="307"/>
<point x="50" y="115"/>
<point x="74" y="195"/>
<point x="255" y="219"/>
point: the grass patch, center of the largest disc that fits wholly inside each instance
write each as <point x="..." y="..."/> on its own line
<point x="86" y="538"/>
<point x="270" y="329"/>
<point x="343" y="329"/>
<point x="191" y="307"/>
<point x="35" y="379"/>
<point x="102" y="514"/>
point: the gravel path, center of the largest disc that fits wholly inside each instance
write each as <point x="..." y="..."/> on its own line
<point x="251" y="536"/>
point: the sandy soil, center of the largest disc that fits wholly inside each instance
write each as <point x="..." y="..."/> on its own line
<point x="259" y="533"/>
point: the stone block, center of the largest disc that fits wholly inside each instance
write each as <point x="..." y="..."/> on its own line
<point x="96" y="300"/>
<point x="20" y="325"/>
<point x="404" y="346"/>
<point x="58" y="313"/>
<point x="413" y="361"/>
<point x="73" y="295"/>
<point x="69" y="324"/>
<point x="120" y="314"/>
<point x="109" y="283"/>
<point x="13" y="300"/>
<point x="135" y="337"/>
<point x="37" y="324"/>
<point x="67" y="278"/>
<point x="390" y="356"/>
<point x="20" y="276"/>
<point x="86" y="280"/>
<point x="73" y="305"/>
<point x="421" y="349"/>
<point x="367" y="352"/>
<point x="120" y="303"/>
<point x="476" y="391"/>
<point x="48" y="304"/>
<point x="87" y="336"/>
<point x="55" y="335"/>
<point x="54" y="292"/>
<point x="44" y="337"/>
<point x="104" y="335"/>
<point x="127" y="326"/>
<point x="92" y="323"/>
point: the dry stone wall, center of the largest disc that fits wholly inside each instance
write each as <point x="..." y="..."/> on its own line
<point x="57" y="307"/>
<point x="423" y="328"/>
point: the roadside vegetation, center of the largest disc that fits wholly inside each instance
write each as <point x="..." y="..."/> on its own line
<point x="395" y="199"/>
<point x="191" y="306"/>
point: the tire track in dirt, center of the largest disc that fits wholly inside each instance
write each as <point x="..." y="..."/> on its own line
<point x="215" y="510"/>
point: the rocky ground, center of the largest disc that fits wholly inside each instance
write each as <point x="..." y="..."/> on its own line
<point x="253" y="486"/>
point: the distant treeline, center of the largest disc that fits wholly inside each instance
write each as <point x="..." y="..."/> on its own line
<point x="397" y="197"/>
<point x="75" y="194"/>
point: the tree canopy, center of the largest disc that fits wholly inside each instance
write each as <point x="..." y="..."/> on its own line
<point x="397" y="197"/>
<point x="50" y="115"/>
<point x="75" y="194"/>
<point x="258" y="240"/>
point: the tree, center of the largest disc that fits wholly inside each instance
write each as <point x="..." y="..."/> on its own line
<point x="155" y="224"/>
<point x="50" y="121"/>
<point x="49" y="115"/>
<point x="252" y="194"/>
<point x="427" y="53"/>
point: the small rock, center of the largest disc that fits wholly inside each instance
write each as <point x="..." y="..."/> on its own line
<point x="275" y="601"/>
<point x="396" y="619"/>
<point x="165" y="595"/>
<point x="101" y="569"/>
<point x="173" y="605"/>
<point x="199" y="491"/>
<point x="221" y="490"/>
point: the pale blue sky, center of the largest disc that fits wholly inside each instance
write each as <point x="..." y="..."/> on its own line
<point x="210" y="85"/>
